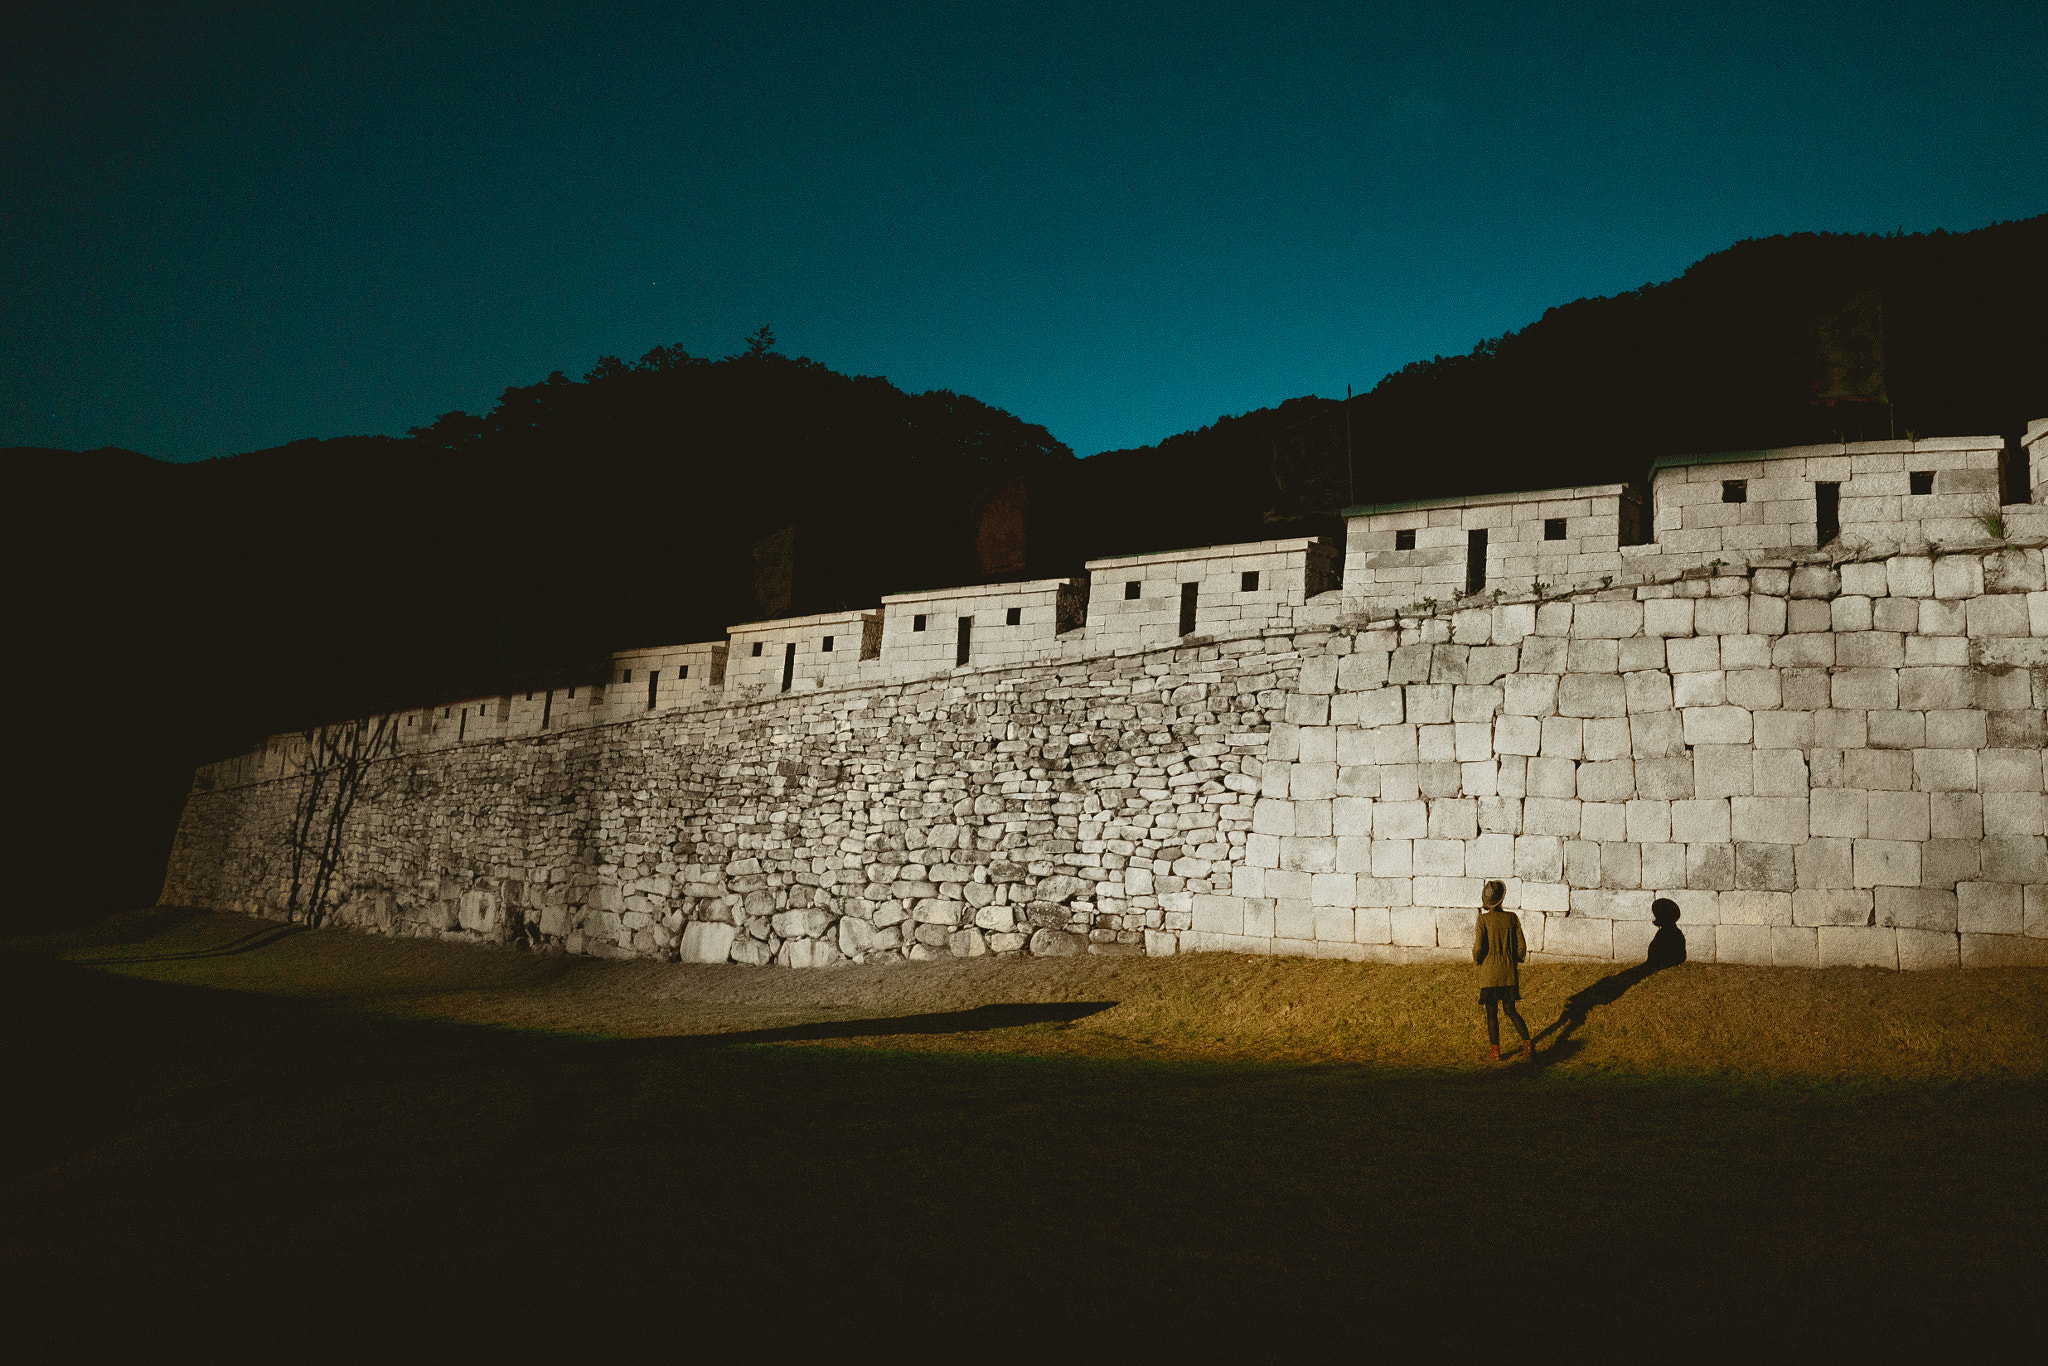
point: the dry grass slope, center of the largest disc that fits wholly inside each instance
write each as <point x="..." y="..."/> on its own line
<point x="1708" y="1020"/>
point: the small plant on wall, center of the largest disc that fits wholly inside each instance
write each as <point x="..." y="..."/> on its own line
<point x="1993" y="522"/>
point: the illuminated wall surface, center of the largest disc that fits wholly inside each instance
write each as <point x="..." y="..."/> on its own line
<point x="1801" y="693"/>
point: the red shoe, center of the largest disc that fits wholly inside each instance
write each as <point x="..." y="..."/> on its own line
<point x="1495" y="1057"/>
<point x="1528" y="1051"/>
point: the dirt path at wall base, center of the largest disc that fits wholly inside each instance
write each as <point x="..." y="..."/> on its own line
<point x="312" y="1143"/>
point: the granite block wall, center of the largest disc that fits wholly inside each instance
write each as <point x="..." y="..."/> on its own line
<point x="1051" y="810"/>
<point x="1822" y="760"/>
<point x="1822" y="763"/>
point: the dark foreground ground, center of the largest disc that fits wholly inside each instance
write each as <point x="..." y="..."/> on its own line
<point x="230" y="1142"/>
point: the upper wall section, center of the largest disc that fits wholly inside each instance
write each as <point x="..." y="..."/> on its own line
<point x="995" y="625"/>
<point x="1700" y="514"/>
<point x="1891" y="495"/>
<point x="1739" y="508"/>
<point x="803" y="654"/>
<point x="1145" y="601"/>
<point x="1446" y="548"/>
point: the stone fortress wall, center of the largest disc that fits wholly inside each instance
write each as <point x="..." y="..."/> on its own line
<point x="1826" y="749"/>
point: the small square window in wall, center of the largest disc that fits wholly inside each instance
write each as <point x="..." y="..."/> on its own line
<point x="683" y="672"/>
<point x="1130" y="591"/>
<point x="757" y="649"/>
<point x="1553" y="528"/>
<point x="917" y="622"/>
<point x="826" y="648"/>
<point x="1734" y="490"/>
<point x="1404" y="540"/>
<point x="1248" y="582"/>
<point x="1013" y="617"/>
<point x="1921" y="481"/>
<point x="626" y="677"/>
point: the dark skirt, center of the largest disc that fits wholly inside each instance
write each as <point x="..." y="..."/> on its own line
<point x="1499" y="994"/>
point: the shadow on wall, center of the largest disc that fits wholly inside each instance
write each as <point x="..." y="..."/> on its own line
<point x="1667" y="950"/>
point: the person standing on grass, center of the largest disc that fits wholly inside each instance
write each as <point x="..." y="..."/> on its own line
<point x="1498" y="948"/>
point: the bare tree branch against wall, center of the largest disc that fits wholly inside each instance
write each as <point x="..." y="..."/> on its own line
<point x="337" y="765"/>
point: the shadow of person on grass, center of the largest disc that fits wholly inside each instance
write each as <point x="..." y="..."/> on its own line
<point x="1667" y="950"/>
<point x="1007" y="1015"/>
<point x="260" y="938"/>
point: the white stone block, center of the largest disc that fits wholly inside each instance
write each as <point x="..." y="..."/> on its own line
<point x="1958" y="576"/>
<point x="1839" y="812"/>
<point x="1909" y="576"/>
<point x="1945" y="770"/>
<point x="1219" y="914"/>
<point x="1700" y="821"/>
<point x="1836" y="907"/>
<point x="1857" y="946"/>
<point x="1869" y="580"/>
<point x="1926" y="949"/>
<point x="1886" y="863"/>
<point x="1668" y="617"/>
<point x="1716" y="725"/>
<point x="1743" y="944"/>
<point x="1769" y="820"/>
<point x="707" y="941"/>
<point x="1272" y="817"/>
<point x="1739" y="907"/>
<point x="2009" y="770"/>
<point x="1794" y="946"/>
<point x="1989" y="908"/>
<point x="1592" y="695"/>
<point x="1579" y="937"/>
<point x="1413" y="926"/>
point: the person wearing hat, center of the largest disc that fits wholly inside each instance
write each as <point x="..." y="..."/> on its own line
<point x="1498" y="948"/>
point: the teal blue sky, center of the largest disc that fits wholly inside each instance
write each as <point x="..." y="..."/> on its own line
<point x="229" y="227"/>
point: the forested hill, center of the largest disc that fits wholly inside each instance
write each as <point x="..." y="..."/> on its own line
<point x="1776" y="341"/>
<point x="169" y="614"/>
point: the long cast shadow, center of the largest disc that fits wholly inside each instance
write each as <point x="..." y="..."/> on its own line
<point x="1667" y="950"/>
<point x="1008" y="1015"/>
<point x="260" y="938"/>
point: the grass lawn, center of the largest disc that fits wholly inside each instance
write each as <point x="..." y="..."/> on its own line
<point x="225" y="1133"/>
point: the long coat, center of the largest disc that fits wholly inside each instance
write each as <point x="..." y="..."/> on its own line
<point x="1498" y="948"/>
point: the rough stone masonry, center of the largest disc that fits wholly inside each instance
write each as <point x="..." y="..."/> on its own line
<point x="1831" y="755"/>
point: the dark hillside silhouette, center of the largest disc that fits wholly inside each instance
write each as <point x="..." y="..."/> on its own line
<point x="169" y="614"/>
<point x="1733" y="355"/>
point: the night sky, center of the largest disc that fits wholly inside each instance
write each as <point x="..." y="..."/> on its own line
<point x="227" y="228"/>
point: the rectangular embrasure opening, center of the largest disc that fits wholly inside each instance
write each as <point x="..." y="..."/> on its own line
<point x="788" y="664"/>
<point x="1827" y="512"/>
<point x="1475" y="561"/>
<point x="963" y="646"/>
<point x="1188" y="592"/>
<point x="1404" y="540"/>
